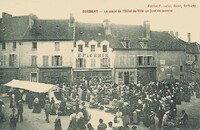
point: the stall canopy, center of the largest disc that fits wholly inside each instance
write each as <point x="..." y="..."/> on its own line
<point x="31" y="86"/>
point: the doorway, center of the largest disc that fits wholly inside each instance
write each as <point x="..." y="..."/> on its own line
<point x="126" y="78"/>
<point x="34" y="77"/>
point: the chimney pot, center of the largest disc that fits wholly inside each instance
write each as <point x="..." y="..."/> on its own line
<point x="107" y="27"/>
<point x="189" y="38"/>
<point x="176" y="35"/>
<point x="71" y="20"/>
<point x="5" y="16"/>
<point x="147" y="29"/>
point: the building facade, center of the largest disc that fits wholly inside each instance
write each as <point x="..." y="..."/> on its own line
<point x="36" y="50"/>
<point x="56" y="51"/>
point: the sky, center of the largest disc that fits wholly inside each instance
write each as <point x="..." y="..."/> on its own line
<point x="180" y="16"/>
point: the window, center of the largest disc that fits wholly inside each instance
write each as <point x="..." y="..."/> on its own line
<point x="80" y="48"/>
<point x="105" y="62"/>
<point x="125" y="42"/>
<point x="145" y="60"/>
<point x="3" y="60"/>
<point x="196" y="58"/>
<point x="80" y="62"/>
<point x="150" y="60"/>
<point x="181" y="68"/>
<point x="131" y="60"/>
<point x="34" y="60"/>
<point x="140" y="60"/>
<point x="57" y="46"/>
<point x="92" y="48"/>
<point x="122" y="60"/>
<point x="56" y="60"/>
<point x="12" y="60"/>
<point x="3" y="45"/>
<point x="14" y="46"/>
<point x="86" y="44"/>
<point x="34" y="45"/>
<point x="92" y="62"/>
<point x="45" y="60"/>
<point x="105" y="48"/>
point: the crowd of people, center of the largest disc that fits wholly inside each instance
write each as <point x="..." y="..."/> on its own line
<point x="153" y="104"/>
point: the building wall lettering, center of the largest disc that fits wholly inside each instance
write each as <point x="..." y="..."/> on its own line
<point x="86" y="55"/>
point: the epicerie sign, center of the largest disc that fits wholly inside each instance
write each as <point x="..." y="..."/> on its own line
<point x="85" y="55"/>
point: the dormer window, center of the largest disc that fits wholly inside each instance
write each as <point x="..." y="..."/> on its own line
<point x="125" y="42"/>
<point x="143" y="43"/>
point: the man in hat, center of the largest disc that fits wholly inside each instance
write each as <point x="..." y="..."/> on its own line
<point x="13" y="120"/>
<point x="47" y="109"/>
<point x="20" y="109"/>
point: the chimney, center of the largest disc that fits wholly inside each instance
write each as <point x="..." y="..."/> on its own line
<point x="71" y="20"/>
<point x="171" y="33"/>
<point x="5" y="16"/>
<point x="176" y="35"/>
<point x="147" y="29"/>
<point x="189" y="38"/>
<point x="107" y="27"/>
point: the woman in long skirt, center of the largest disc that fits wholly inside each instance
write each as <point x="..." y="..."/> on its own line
<point x="57" y="122"/>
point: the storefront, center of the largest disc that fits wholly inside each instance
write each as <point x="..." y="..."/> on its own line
<point x="126" y="76"/>
<point x="93" y="75"/>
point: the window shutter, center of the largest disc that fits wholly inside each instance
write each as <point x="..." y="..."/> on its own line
<point x="44" y="61"/>
<point x="137" y="61"/>
<point x="60" y="60"/>
<point x="4" y="60"/>
<point x="101" y="62"/>
<point x="84" y="62"/>
<point x="108" y="62"/>
<point x="10" y="59"/>
<point x="15" y="60"/>
<point x="77" y="63"/>
<point x="52" y="60"/>
<point x="1" y="60"/>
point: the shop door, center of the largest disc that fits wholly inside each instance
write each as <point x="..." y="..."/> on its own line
<point x="34" y="77"/>
<point x="126" y="78"/>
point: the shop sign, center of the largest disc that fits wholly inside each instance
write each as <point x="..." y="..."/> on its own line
<point x="86" y="55"/>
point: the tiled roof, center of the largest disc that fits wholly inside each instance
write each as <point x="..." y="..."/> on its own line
<point x="135" y="33"/>
<point x="162" y="40"/>
<point x="20" y="28"/>
<point x="13" y="28"/>
<point x="194" y="47"/>
<point x="50" y="30"/>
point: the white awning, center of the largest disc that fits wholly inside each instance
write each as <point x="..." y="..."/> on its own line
<point x="31" y="86"/>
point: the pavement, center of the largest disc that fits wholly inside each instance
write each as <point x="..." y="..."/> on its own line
<point x="33" y="121"/>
